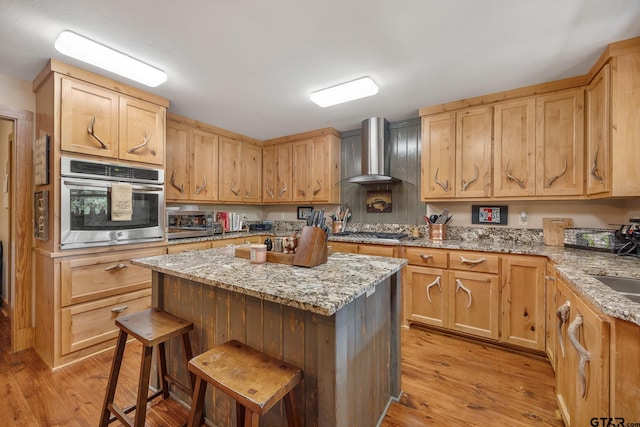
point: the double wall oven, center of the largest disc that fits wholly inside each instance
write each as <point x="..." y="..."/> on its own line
<point x="86" y="204"/>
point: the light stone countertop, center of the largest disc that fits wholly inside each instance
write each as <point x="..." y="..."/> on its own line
<point x="576" y="266"/>
<point x="323" y="289"/>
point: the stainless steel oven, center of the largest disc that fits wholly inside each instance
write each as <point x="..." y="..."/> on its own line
<point x="86" y="214"/>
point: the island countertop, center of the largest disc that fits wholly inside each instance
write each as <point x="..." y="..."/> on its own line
<point x="323" y="289"/>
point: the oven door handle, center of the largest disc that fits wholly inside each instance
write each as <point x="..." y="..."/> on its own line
<point x="108" y="184"/>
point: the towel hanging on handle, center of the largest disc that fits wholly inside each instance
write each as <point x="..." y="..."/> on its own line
<point x="121" y="202"/>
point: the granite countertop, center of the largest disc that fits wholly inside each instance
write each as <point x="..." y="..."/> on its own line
<point x="323" y="289"/>
<point x="576" y="266"/>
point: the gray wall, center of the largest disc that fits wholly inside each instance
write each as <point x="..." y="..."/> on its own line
<point x="405" y="165"/>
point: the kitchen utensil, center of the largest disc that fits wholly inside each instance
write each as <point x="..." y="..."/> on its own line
<point x="443" y="217"/>
<point x="448" y="219"/>
<point x="553" y="230"/>
<point x="433" y="218"/>
<point x="426" y="219"/>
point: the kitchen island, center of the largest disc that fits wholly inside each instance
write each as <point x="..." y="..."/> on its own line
<point x="339" y="322"/>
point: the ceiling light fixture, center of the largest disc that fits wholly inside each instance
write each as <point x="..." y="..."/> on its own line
<point x="83" y="49"/>
<point x="355" y="89"/>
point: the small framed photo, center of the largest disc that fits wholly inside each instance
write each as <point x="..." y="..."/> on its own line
<point x="489" y="215"/>
<point x="304" y="211"/>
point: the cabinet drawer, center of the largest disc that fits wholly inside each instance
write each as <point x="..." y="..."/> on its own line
<point x="92" y="278"/>
<point x="344" y="247"/>
<point x="92" y="323"/>
<point x="427" y="257"/>
<point x="377" y="250"/>
<point x="474" y="261"/>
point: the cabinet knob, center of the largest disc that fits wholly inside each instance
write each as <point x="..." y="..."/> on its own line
<point x="119" y="309"/>
<point x="116" y="267"/>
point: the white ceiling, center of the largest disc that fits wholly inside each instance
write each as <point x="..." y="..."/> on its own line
<point x="250" y="65"/>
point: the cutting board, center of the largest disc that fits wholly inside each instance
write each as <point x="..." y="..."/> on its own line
<point x="553" y="229"/>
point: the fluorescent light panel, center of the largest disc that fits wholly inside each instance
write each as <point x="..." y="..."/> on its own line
<point x="83" y="49"/>
<point x="345" y="92"/>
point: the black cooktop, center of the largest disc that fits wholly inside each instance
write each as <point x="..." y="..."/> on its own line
<point x="372" y="235"/>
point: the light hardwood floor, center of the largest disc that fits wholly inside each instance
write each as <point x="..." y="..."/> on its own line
<point x="446" y="381"/>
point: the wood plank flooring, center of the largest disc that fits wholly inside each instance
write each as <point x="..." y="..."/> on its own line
<point x="446" y="381"/>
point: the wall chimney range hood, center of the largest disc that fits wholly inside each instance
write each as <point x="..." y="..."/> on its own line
<point x="375" y="152"/>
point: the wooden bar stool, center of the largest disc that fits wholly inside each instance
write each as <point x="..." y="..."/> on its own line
<point x="151" y="327"/>
<point x="255" y="380"/>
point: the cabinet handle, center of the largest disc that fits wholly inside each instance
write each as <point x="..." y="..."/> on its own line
<point x="476" y="175"/>
<point x="283" y="189"/>
<point x="180" y="187"/>
<point x="518" y="181"/>
<point x="459" y="285"/>
<point x="551" y="180"/>
<point x="234" y="191"/>
<point x="266" y="187"/>
<point x="473" y="262"/>
<point x="199" y="188"/>
<point x="562" y="313"/>
<point x="302" y="192"/>
<point x="426" y="257"/>
<point x="319" y="188"/>
<point x="90" y="131"/>
<point x="119" y="309"/>
<point x="445" y="185"/>
<point x="145" y="141"/>
<point x="594" y="167"/>
<point x="116" y="267"/>
<point x="550" y="278"/>
<point x="585" y="356"/>
<point x="436" y="282"/>
<point x="248" y="193"/>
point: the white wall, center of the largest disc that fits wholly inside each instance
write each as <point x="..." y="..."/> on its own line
<point x="16" y="93"/>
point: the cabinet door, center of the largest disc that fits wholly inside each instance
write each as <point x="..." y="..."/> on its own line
<point x="377" y="250"/>
<point x="251" y="176"/>
<point x="560" y="143"/>
<point x="325" y="169"/>
<point x="473" y="303"/>
<point x="277" y="162"/>
<point x="566" y="381"/>
<point x="590" y="332"/>
<point x="204" y="166"/>
<point x="598" y="126"/>
<point x="142" y="126"/>
<point x="523" y="301"/>
<point x="514" y="159"/>
<point x="302" y="161"/>
<point x="178" y="148"/>
<point x="429" y="298"/>
<point x="551" y="332"/>
<point x="438" y="156"/>
<point x="473" y="153"/>
<point x="89" y="119"/>
<point x="229" y="170"/>
<point x="344" y="247"/>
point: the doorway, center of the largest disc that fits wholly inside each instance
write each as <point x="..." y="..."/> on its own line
<point x="18" y="213"/>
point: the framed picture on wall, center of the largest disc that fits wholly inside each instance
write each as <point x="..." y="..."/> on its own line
<point x="489" y="215"/>
<point x="304" y="211"/>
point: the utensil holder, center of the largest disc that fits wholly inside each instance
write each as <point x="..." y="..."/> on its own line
<point x="312" y="247"/>
<point x="336" y="226"/>
<point x="437" y="231"/>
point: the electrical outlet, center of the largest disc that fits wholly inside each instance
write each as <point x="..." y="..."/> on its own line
<point x="523" y="219"/>
<point x="281" y="215"/>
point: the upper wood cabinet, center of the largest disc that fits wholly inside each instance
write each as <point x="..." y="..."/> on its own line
<point x="101" y="122"/>
<point x="240" y="171"/>
<point x="456" y="154"/>
<point x="192" y="164"/>
<point x="89" y="119"/>
<point x="178" y="167"/>
<point x="514" y="158"/>
<point x="277" y="173"/>
<point x="142" y="127"/>
<point x="598" y="128"/>
<point x="560" y="143"/>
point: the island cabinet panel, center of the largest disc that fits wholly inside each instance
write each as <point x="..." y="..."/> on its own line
<point x="349" y="359"/>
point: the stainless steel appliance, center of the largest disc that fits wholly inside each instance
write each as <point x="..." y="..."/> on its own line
<point x="85" y="212"/>
<point x="186" y="223"/>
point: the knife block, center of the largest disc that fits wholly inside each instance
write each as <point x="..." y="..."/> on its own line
<point x="312" y="247"/>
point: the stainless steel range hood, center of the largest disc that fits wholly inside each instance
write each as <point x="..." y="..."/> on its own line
<point x="375" y="149"/>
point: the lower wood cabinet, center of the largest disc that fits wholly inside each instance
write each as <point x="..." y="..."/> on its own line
<point x="523" y="301"/>
<point x="474" y="303"/>
<point x="582" y="362"/>
<point x="429" y="300"/>
<point x="363" y="248"/>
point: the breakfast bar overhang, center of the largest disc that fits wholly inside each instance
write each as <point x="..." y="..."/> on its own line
<point x="339" y="322"/>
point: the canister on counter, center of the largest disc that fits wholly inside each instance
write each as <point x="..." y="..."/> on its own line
<point x="277" y="244"/>
<point x="258" y="254"/>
